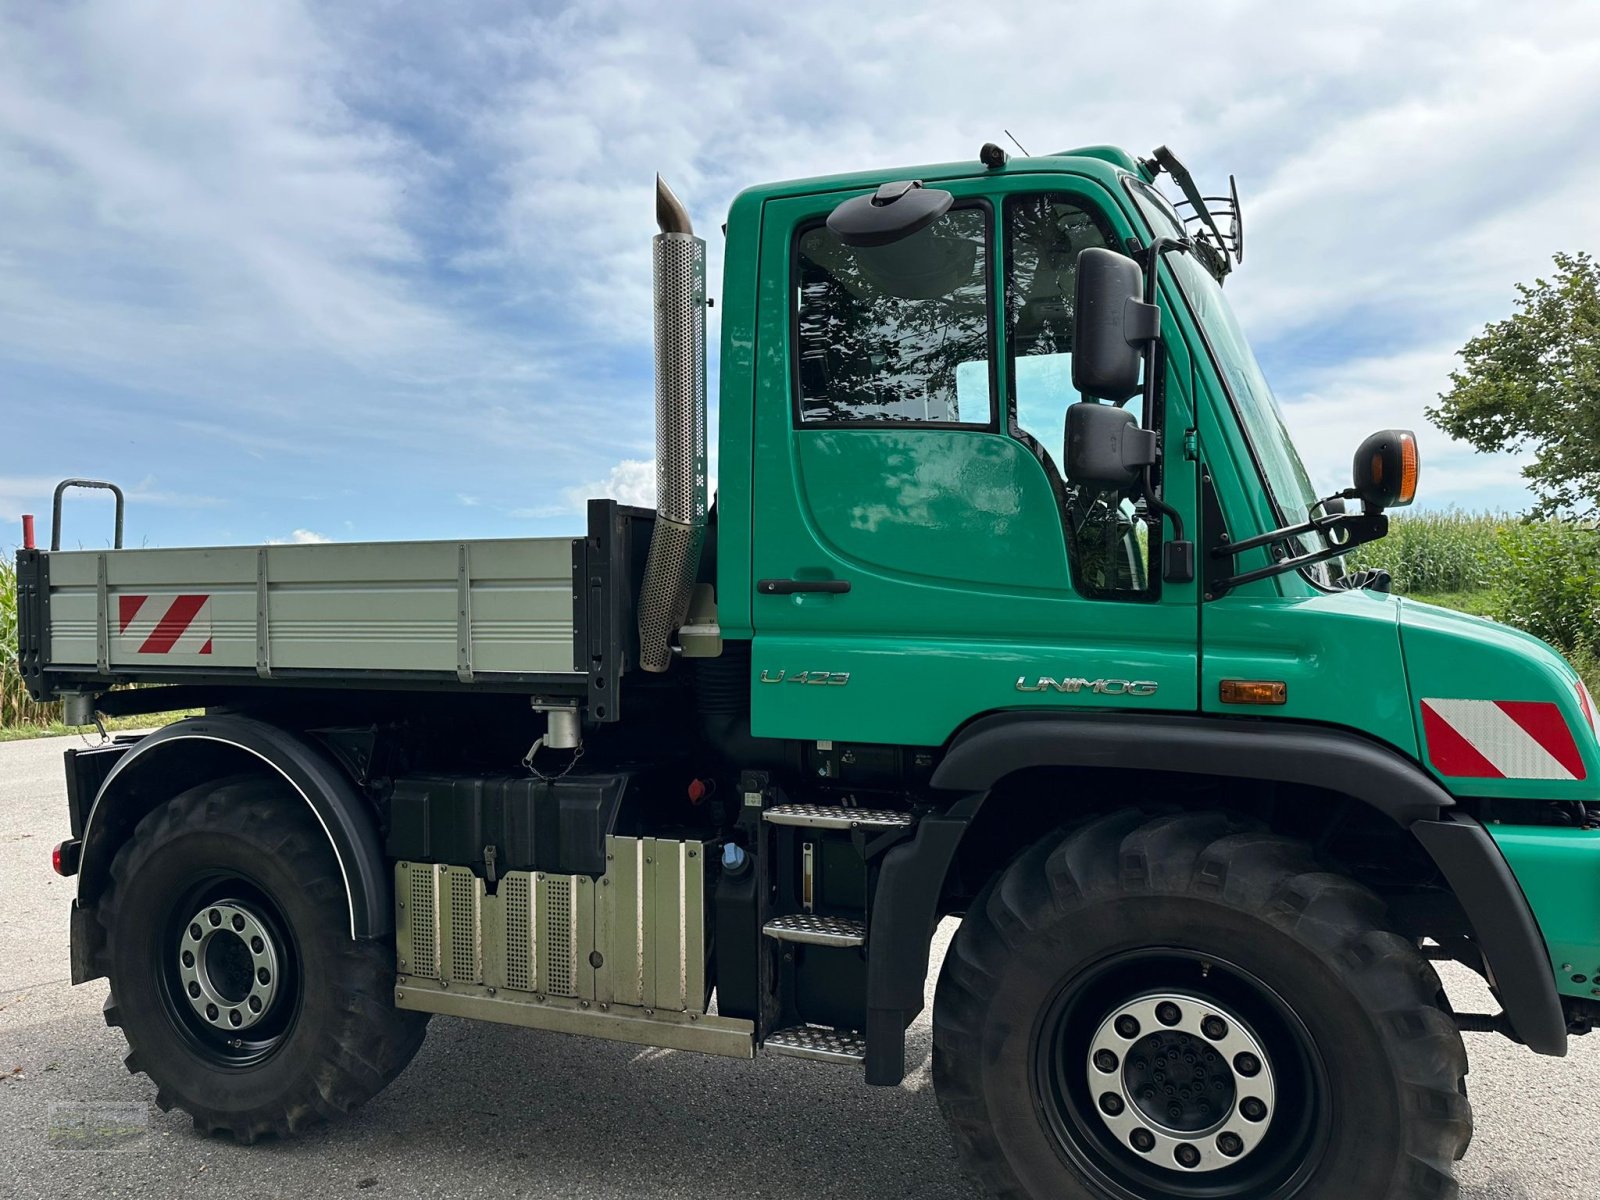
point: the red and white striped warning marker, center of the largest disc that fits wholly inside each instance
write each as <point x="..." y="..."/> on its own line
<point x="1500" y="739"/>
<point x="164" y="624"/>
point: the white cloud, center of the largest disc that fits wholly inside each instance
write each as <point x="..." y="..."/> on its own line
<point x="631" y="481"/>
<point x="1346" y="402"/>
<point x="301" y="537"/>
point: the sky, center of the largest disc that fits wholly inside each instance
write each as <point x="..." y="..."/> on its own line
<point x="294" y="272"/>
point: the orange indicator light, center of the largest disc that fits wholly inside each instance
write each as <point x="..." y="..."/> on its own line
<point x="1255" y="691"/>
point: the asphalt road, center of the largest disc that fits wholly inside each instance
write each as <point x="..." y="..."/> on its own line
<point x="495" y="1111"/>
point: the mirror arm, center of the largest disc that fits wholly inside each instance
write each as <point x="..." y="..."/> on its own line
<point x="1361" y="527"/>
<point x="1178" y="553"/>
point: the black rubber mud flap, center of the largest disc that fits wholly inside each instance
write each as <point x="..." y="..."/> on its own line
<point x="1503" y="925"/>
<point x="904" y="913"/>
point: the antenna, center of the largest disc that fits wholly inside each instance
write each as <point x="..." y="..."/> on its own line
<point x="1016" y="143"/>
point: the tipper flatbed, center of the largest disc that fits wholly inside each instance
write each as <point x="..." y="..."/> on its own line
<point x="1016" y="604"/>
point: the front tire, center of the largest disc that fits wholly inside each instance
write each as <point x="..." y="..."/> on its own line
<point x="1184" y="1006"/>
<point x="233" y="974"/>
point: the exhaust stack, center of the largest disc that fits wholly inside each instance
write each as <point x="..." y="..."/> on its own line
<point x="680" y="301"/>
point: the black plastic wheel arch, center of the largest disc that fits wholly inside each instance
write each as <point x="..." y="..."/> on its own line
<point x="309" y="771"/>
<point x="1287" y="752"/>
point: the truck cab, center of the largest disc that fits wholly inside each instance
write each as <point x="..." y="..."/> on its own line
<point x="1015" y="604"/>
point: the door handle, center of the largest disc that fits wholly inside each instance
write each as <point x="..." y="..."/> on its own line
<point x="788" y="587"/>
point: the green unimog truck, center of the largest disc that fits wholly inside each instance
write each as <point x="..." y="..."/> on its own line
<point x="1015" y="604"/>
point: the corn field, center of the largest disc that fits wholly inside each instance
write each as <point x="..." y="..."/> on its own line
<point x="16" y="709"/>
<point x="1440" y="553"/>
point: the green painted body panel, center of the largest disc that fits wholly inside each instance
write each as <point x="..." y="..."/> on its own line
<point x="1338" y="652"/>
<point x="914" y="495"/>
<point x="1559" y="870"/>
<point x="736" y="415"/>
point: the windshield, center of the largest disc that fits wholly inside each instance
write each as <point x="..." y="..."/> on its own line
<point x="1287" y="483"/>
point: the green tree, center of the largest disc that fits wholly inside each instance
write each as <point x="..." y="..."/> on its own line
<point x="1533" y="381"/>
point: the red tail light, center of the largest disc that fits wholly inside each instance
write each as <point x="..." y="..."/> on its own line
<point x="65" y="858"/>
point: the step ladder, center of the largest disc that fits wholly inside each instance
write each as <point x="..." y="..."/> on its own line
<point x="814" y="1042"/>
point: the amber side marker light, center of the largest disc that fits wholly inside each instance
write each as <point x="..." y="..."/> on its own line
<point x="1255" y="691"/>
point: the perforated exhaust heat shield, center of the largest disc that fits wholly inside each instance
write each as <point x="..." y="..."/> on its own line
<point x="680" y="301"/>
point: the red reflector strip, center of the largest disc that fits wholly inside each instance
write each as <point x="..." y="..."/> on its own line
<point x="1500" y="739"/>
<point x="170" y="628"/>
<point x="1586" y="701"/>
<point x="1452" y="753"/>
<point x="149" y="624"/>
<point x="127" y="609"/>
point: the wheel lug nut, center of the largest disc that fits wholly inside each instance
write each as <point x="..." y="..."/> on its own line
<point x="194" y="932"/>
<point x="255" y="1004"/>
<point x="1105" y="1061"/>
<point x="1143" y="1141"/>
<point x="1230" y="1144"/>
<point x="1167" y="1013"/>
<point x="257" y="945"/>
<point x="264" y="975"/>
<point x="1214" y="1028"/>
<point x="1128" y="1027"/>
<point x="211" y="1012"/>
<point x="188" y="959"/>
<point x="1252" y="1109"/>
<point x="214" y="917"/>
<point x="1247" y="1064"/>
<point x="233" y="1017"/>
<point x="1111" y="1104"/>
<point x="1187" y="1155"/>
<point x="238" y="922"/>
<point x="194" y="990"/>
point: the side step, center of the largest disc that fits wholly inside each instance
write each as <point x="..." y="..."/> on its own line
<point x="840" y="1046"/>
<point x="817" y="931"/>
<point x="829" y="816"/>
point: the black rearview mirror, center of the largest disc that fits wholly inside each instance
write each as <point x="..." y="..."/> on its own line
<point x="1385" y="471"/>
<point x="1105" y="447"/>
<point x="1111" y="325"/>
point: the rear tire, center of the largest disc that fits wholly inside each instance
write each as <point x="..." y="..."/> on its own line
<point x="233" y="974"/>
<point x="1305" y="1055"/>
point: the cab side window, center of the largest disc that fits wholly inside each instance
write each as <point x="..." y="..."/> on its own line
<point x="896" y="334"/>
<point x="1107" y="540"/>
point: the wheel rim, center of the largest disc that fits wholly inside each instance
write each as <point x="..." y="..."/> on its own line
<point x="229" y="971"/>
<point x="1165" y="1074"/>
<point x="1182" y="1080"/>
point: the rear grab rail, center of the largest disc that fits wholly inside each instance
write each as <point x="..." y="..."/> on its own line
<point x="55" y="509"/>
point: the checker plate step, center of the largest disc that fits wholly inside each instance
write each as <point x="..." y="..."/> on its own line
<point x="830" y="816"/>
<point x="817" y="931"/>
<point x="818" y="1044"/>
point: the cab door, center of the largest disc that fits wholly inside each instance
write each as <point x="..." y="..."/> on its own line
<point x="917" y="558"/>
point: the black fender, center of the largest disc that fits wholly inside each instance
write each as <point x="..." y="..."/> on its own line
<point x="911" y="884"/>
<point x="1284" y="751"/>
<point x="190" y="752"/>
